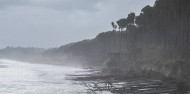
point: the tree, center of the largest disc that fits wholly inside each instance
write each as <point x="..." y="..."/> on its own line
<point x="114" y="26"/>
<point x="131" y="19"/>
<point x="139" y="20"/>
<point x="122" y="23"/>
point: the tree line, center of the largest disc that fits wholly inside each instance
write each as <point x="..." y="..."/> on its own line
<point x="164" y="25"/>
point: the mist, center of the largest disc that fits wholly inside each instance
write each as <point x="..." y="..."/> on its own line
<point x="97" y="47"/>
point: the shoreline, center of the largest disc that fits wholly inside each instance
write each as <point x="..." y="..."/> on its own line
<point x="150" y="79"/>
<point x="130" y="83"/>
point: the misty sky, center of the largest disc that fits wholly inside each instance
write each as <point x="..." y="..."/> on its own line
<point x="52" y="23"/>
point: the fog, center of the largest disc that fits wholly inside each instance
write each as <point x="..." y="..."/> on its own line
<point x="97" y="46"/>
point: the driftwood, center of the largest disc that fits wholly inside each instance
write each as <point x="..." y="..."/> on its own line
<point x="127" y="84"/>
<point x="116" y="87"/>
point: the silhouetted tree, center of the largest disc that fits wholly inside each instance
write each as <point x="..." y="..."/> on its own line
<point x="122" y="23"/>
<point x="114" y="26"/>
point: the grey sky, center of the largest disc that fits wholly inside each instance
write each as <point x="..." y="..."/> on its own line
<point x="52" y="23"/>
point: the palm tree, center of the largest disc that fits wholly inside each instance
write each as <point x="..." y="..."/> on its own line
<point x="114" y="26"/>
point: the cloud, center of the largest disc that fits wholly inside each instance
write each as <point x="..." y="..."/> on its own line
<point x="51" y="23"/>
<point x="7" y="3"/>
<point x="67" y="5"/>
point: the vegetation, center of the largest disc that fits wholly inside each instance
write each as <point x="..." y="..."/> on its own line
<point x="156" y="40"/>
<point x="20" y="52"/>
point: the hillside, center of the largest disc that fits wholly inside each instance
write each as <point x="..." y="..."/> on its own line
<point x="156" y="40"/>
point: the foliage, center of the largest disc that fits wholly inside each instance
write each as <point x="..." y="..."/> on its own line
<point x="150" y="41"/>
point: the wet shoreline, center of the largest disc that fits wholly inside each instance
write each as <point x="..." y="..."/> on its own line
<point x="132" y="83"/>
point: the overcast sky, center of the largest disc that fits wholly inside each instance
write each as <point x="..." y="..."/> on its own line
<point x="52" y="23"/>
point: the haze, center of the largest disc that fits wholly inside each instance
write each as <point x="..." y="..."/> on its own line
<point x="51" y="23"/>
